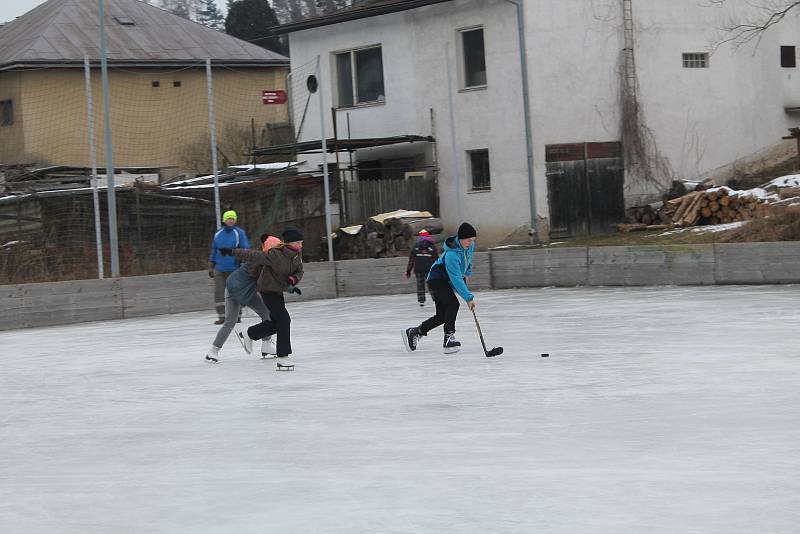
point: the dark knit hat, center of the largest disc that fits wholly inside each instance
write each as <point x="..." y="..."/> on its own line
<point x="466" y="230"/>
<point x="291" y="234"/>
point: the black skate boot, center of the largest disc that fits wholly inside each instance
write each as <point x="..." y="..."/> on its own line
<point x="451" y="345"/>
<point x="410" y="338"/>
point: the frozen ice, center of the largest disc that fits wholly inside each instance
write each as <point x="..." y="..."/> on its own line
<point x="659" y="410"/>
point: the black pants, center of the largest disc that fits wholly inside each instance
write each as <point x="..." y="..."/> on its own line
<point x="421" y="287"/>
<point x="446" y="308"/>
<point x="280" y="323"/>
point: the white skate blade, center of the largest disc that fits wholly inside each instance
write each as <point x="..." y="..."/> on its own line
<point x="240" y="337"/>
<point x="267" y="356"/>
<point x="451" y="350"/>
<point x="284" y="366"/>
<point x="405" y="341"/>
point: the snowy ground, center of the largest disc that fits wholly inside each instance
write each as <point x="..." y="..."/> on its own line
<point x="669" y="410"/>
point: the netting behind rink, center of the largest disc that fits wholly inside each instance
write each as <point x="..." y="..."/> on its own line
<point x="161" y="133"/>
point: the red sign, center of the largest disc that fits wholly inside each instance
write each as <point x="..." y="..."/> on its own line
<point x="273" y="97"/>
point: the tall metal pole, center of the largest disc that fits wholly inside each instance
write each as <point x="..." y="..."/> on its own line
<point x="98" y="233"/>
<point x="526" y="107"/>
<point x="212" y="126"/>
<point x="324" y="160"/>
<point x="112" y="199"/>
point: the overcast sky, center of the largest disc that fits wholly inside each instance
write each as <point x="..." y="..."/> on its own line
<point x="10" y="9"/>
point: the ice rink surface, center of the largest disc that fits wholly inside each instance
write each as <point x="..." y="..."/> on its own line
<point x="659" y="410"/>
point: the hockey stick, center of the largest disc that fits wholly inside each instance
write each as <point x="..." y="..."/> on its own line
<point x="497" y="351"/>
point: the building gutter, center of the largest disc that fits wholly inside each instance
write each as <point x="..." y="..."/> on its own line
<point x="523" y="59"/>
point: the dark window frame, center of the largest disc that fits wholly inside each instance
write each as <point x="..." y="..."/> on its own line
<point x="7" y="112"/>
<point x="482" y="182"/>
<point x="695" y="60"/>
<point x="471" y="78"/>
<point x="789" y="57"/>
<point x="346" y="63"/>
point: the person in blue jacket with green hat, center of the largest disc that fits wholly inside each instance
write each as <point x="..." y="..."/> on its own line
<point x="448" y="277"/>
<point x="220" y="267"/>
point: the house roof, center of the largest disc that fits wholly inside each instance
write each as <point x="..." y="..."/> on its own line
<point x="58" y="33"/>
<point x="361" y="10"/>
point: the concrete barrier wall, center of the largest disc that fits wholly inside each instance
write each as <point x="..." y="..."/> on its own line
<point x="56" y="303"/>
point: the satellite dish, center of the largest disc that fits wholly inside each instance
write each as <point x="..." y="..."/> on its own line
<point x="312" y="84"/>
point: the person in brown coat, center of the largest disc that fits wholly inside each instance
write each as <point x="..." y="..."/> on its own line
<point x="282" y="270"/>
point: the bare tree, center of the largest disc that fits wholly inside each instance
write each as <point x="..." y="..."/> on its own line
<point x="765" y="15"/>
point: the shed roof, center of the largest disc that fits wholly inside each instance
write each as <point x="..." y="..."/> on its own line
<point x="59" y="33"/>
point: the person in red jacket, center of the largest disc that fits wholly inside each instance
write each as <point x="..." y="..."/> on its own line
<point x="422" y="256"/>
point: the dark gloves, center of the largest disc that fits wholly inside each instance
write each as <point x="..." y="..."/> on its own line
<point x="211" y="269"/>
<point x="225" y="251"/>
<point x="293" y="289"/>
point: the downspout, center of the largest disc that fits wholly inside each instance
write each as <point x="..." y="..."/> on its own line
<point x="523" y="60"/>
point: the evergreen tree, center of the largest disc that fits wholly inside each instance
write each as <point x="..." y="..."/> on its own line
<point x="252" y="21"/>
<point x="209" y="15"/>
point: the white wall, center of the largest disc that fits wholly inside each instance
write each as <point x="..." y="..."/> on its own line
<point x="701" y="118"/>
<point x="706" y="118"/>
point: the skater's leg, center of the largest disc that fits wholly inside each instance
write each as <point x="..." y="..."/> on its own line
<point x="232" y="312"/>
<point x="219" y="293"/>
<point x="281" y="320"/>
<point x="450" y="312"/>
<point x="257" y="305"/>
<point x="421" y="287"/>
<point x="439" y="293"/>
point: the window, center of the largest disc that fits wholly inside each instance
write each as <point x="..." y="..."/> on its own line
<point x="695" y="60"/>
<point x="788" y="57"/>
<point x="479" y="163"/>
<point x="176" y="83"/>
<point x="359" y="77"/>
<point x="156" y="84"/>
<point x="474" y="63"/>
<point x="6" y="112"/>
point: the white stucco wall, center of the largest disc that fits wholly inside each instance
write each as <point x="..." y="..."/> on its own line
<point x="701" y="118"/>
<point x="704" y="119"/>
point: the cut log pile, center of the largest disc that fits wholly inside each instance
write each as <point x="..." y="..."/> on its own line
<point x="719" y="205"/>
<point x="715" y="206"/>
<point x="385" y="235"/>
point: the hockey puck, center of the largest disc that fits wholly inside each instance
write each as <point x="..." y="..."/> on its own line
<point x="545" y="355"/>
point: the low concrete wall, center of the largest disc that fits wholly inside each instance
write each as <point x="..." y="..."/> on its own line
<point x="91" y="300"/>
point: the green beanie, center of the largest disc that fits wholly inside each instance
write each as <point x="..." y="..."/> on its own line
<point x="230" y="214"/>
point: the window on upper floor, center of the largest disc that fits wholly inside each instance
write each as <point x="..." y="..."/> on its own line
<point x="359" y="77"/>
<point x="479" y="170"/>
<point x="6" y="112"/>
<point x="789" y="57"/>
<point x="473" y="62"/>
<point x="695" y="60"/>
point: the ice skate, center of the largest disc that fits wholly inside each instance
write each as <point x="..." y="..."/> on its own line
<point x="284" y="363"/>
<point x="244" y="339"/>
<point x="451" y="345"/>
<point x="410" y="338"/>
<point x="212" y="354"/>
<point x="268" y="348"/>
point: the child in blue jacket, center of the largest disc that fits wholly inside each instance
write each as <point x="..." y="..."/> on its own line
<point x="446" y="278"/>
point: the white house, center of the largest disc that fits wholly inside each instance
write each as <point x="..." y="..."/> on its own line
<point x="608" y="81"/>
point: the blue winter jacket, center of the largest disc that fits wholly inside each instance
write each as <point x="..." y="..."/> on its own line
<point x="227" y="237"/>
<point x="453" y="265"/>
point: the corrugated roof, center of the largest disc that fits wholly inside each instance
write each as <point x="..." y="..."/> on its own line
<point x="61" y="32"/>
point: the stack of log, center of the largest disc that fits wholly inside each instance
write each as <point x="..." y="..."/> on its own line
<point x="715" y="206"/>
<point x="386" y="235"/>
